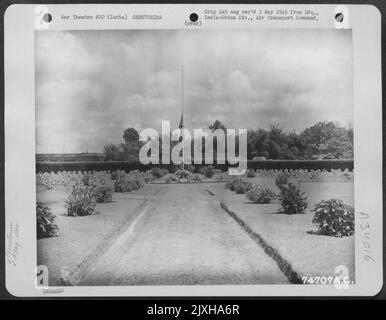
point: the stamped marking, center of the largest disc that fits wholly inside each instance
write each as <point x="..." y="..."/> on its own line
<point x="13" y="244"/>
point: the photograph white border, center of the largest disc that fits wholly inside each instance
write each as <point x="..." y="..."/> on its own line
<point x="20" y="189"/>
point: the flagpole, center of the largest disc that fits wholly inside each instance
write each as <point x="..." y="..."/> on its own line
<point x="183" y="124"/>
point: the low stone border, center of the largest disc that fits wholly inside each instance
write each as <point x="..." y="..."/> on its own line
<point x="78" y="272"/>
<point x="210" y="192"/>
<point x="282" y="263"/>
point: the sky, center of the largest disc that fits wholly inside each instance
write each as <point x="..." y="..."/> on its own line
<point x="92" y="85"/>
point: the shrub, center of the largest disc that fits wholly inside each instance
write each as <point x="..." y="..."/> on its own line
<point x="220" y="177"/>
<point x="159" y="172"/>
<point x="44" y="179"/>
<point x="292" y="200"/>
<point x="195" y="178"/>
<point x="163" y="172"/>
<point x="88" y="179"/>
<point x="314" y="176"/>
<point x="238" y="185"/>
<point x="191" y="168"/>
<point x="282" y="179"/>
<point x="45" y="222"/>
<point x="125" y="184"/>
<point x="139" y="178"/>
<point x="116" y="174"/>
<point x="48" y="184"/>
<point x="148" y="176"/>
<point x="186" y="176"/>
<point x="210" y="171"/>
<point x="130" y="182"/>
<point x="103" y="193"/>
<point x="260" y="194"/>
<point x="251" y="173"/>
<point x="207" y="171"/>
<point x="119" y="184"/>
<point x="183" y="176"/>
<point x="334" y="218"/>
<point x="232" y="183"/>
<point x="173" y="168"/>
<point x="347" y="176"/>
<point x="81" y="201"/>
<point x="243" y="187"/>
<point x="216" y="171"/>
<point x="201" y="170"/>
<point x="156" y="171"/>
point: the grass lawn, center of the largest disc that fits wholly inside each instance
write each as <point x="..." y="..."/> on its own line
<point x="309" y="254"/>
<point x="182" y="214"/>
<point x="82" y="239"/>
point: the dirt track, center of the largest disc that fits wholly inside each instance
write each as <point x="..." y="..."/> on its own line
<point x="183" y="237"/>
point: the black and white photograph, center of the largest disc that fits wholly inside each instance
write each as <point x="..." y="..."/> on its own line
<point x="193" y="150"/>
<point x="108" y="213"/>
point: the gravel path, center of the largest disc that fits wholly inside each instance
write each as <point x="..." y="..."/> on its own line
<point x="183" y="237"/>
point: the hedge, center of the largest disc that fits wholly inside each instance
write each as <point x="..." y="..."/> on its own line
<point x="50" y="166"/>
<point x="302" y="164"/>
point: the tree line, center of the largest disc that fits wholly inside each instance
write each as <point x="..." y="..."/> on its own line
<point x="324" y="140"/>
